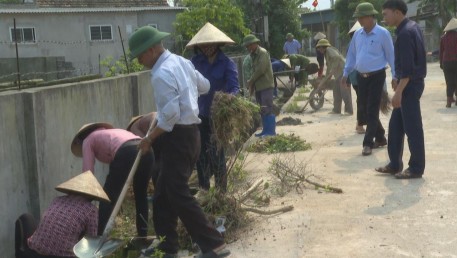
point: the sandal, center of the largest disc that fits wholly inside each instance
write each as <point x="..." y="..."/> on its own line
<point x="407" y="174"/>
<point x="387" y="170"/>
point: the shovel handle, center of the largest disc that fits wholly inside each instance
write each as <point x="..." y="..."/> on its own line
<point x="117" y="207"/>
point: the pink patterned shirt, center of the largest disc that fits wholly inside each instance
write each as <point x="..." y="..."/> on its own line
<point x="102" y="145"/>
<point x="67" y="219"/>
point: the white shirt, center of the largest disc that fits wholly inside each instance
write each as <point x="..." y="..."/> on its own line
<point x="176" y="86"/>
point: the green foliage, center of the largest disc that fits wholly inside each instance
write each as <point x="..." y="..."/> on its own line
<point x="221" y="13"/>
<point x="116" y="67"/>
<point x="300" y="97"/>
<point x="344" y="9"/>
<point x="10" y="1"/>
<point x="292" y="107"/>
<point x="280" y="143"/>
<point x="283" y="17"/>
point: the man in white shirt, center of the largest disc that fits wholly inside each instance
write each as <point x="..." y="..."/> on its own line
<point x="176" y="139"/>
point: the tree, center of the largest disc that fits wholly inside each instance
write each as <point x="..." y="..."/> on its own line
<point x="344" y="9"/>
<point x="283" y="17"/>
<point x="221" y="13"/>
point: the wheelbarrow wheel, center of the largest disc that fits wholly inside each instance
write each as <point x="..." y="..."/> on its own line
<point x="316" y="99"/>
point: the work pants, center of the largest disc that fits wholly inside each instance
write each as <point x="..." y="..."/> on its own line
<point x="370" y="88"/>
<point x="178" y="152"/>
<point x="408" y="120"/>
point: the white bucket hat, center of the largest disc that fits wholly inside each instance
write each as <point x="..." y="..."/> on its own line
<point x="209" y="34"/>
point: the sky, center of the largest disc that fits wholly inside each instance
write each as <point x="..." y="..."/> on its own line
<point x="323" y="4"/>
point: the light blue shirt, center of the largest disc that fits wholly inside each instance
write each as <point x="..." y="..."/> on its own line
<point x="369" y="52"/>
<point x="292" y="47"/>
<point x="176" y="86"/>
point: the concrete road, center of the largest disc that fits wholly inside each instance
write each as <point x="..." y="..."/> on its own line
<point x="377" y="215"/>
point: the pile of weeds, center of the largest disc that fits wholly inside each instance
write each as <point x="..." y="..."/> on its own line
<point x="279" y="143"/>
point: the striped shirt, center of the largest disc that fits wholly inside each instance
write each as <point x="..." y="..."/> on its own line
<point x="67" y="219"/>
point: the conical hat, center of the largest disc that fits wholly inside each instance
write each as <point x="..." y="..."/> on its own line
<point x="84" y="184"/>
<point x="76" y="144"/>
<point x="133" y="120"/>
<point x="319" y="35"/>
<point x="286" y="61"/>
<point x="209" y="34"/>
<point x="452" y="25"/>
<point x="355" y="27"/>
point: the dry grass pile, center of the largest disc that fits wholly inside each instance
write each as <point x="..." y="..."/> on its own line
<point x="233" y="120"/>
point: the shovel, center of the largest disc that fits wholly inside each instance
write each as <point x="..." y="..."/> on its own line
<point x="95" y="247"/>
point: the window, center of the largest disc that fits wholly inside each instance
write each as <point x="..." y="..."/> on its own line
<point x="23" y="35"/>
<point x="101" y="32"/>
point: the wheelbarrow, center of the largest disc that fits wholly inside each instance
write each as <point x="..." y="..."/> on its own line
<point x="317" y="96"/>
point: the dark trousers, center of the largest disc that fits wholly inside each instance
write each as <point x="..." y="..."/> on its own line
<point x="407" y="120"/>
<point x="450" y="75"/>
<point x="370" y="89"/>
<point x="341" y="95"/>
<point x="119" y="169"/>
<point x="178" y="151"/>
<point x="361" y="120"/>
<point x="211" y="160"/>
<point x="265" y="99"/>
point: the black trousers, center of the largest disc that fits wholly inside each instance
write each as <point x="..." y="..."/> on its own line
<point x="450" y="75"/>
<point x="370" y="89"/>
<point x="119" y="169"/>
<point x="361" y="120"/>
<point x="211" y="161"/>
<point x="177" y="152"/>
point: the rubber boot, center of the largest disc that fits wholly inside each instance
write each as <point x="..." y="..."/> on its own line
<point x="264" y="125"/>
<point x="270" y="125"/>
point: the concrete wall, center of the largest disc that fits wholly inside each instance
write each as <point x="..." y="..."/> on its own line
<point x="36" y="131"/>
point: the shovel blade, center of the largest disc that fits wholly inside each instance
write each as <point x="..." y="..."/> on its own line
<point x="93" y="247"/>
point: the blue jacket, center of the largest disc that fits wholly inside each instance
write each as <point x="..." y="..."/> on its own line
<point x="222" y="75"/>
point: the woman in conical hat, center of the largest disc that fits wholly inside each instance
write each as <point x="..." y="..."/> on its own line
<point x="64" y="222"/>
<point x="448" y="59"/>
<point x="222" y="74"/>
<point x="118" y="148"/>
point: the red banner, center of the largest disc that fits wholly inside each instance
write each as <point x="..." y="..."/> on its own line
<point x="315" y="3"/>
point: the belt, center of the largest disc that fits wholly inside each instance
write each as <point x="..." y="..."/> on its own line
<point x="366" y="75"/>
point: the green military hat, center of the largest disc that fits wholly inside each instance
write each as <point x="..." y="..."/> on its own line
<point x="364" y="9"/>
<point x="249" y="39"/>
<point x="143" y="38"/>
<point x="323" y="43"/>
<point x="289" y="35"/>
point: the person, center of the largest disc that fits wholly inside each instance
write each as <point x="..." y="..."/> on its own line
<point x="176" y="85"/>
<point x="67" y="219"/>
<point x="222" y="74"/>
<point x="247" y="72"/>
<point x="319" y="56"/>
<point x="370" y="50"/>
<point x="411" y="69"/>
<point x="291" y="46"/>
<point x="139" y="125"/>
<point x="352" y="79"/>
<point x="299" y="64"/>
<point x="278" y="66"/>
<point x="261" y="82"/>
<point x="335" y="64"/>
<point x="448" y="59"/>
<point x="118" y="148"/>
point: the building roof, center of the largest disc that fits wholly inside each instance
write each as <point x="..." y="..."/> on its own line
<point x="100" y="3"/>
<point x="85" y="10"/>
